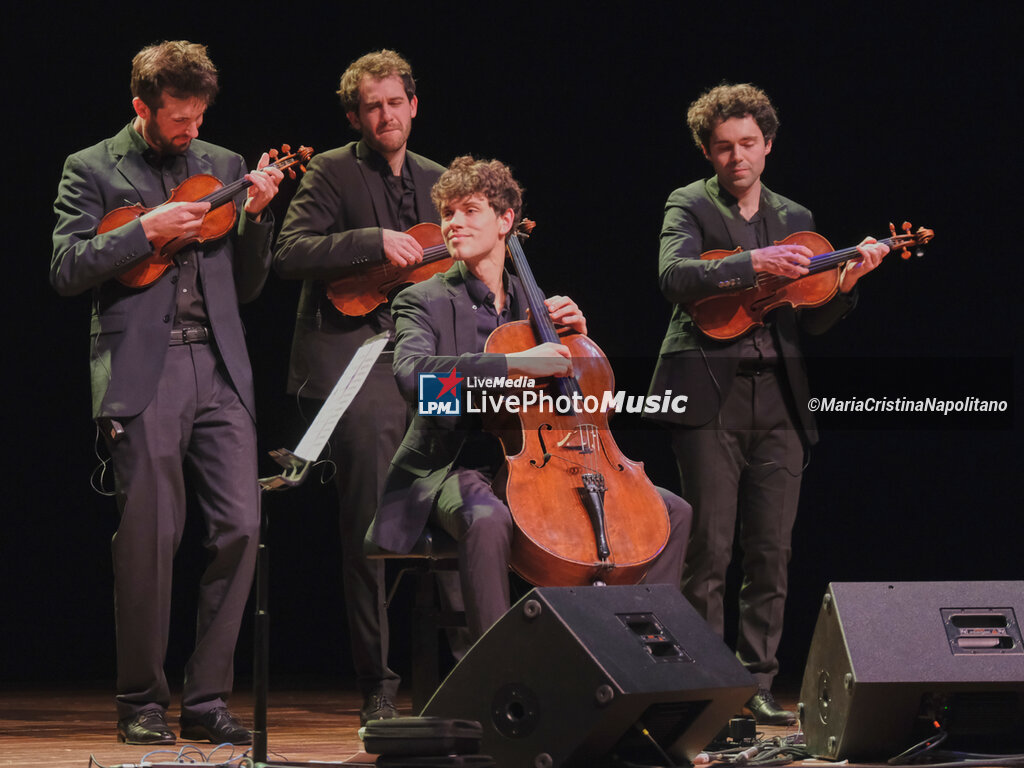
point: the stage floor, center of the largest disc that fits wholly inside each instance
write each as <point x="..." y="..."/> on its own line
<point x="63" y="727"/>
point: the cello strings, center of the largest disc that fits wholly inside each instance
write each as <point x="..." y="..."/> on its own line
<point x="546" y="331"/>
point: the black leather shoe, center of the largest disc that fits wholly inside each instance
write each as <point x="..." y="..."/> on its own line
<point x="766" y="711"/>
<point x="147" y="726"/>
<point x="377" y="706"/>
<point x="218" y="726"/>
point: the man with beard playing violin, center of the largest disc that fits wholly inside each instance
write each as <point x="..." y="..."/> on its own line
<point x="172" y="387"/>
<point x="447" y="472"/>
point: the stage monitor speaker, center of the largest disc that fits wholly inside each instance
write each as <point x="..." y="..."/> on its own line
<point x="889" y="662"/>
<point x="571" y="675"/>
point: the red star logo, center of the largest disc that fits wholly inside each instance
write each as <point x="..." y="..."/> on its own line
<point x="449" y="383"/>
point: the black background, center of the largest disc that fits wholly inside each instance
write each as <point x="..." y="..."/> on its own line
<point x="889" y="112"/>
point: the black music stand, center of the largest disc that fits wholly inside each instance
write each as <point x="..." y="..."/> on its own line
<point x="296" y="466"/>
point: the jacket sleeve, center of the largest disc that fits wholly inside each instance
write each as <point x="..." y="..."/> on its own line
<point x="318" y="239"/>
<point x="419" y="347"/>
<point x="253" y="255"/>
<point x="82" y="259"/>
<point x="683" y="276"/>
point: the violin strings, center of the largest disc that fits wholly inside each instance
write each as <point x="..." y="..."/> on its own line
<point x="819" y="263"/>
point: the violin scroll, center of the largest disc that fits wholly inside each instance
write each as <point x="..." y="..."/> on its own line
<point x="300" y="157"/>
<point x="903" y="242"/>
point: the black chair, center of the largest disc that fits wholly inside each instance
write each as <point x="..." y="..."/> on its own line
<point x="434" y="552"/>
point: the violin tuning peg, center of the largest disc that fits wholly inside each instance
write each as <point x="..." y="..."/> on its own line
<point x="286" y="148"/>
<point x="892" y="229"/>
<point x="906" y="227"/>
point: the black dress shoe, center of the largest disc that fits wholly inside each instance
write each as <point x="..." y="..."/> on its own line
<point x="377" y="706"/>
<point x="147" y="726"/>
<point x="766" y="711"/>
<point x="218" y="726"/>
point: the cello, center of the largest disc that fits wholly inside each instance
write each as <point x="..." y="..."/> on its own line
<point x="583" y="512"/>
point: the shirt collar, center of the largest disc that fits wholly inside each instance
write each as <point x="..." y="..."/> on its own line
<point x="379" y="164"/>
<point x="478" y="290"/>
<point x="150" y="155"/>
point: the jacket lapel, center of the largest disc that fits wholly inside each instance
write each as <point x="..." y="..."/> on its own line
<point x="423" y="184"/>
<point x="135" y="171"/>
<point x="731" y="221"/>
<point x="775" y="216"/>
<point x="374" y="182"/>
<point x="463" y="321"/>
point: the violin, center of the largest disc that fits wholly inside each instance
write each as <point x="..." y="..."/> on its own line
<point x="219" y="220"/>
<point x="583" y="512"/>
<point x="729" y="315"/>
<point x="360" y="290"/>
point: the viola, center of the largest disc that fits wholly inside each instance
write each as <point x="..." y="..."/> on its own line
<point x="360" y="290"/>
<point x="219" y="220"/>
<point x="729" y="315"/>
<point x="583" y="512"/>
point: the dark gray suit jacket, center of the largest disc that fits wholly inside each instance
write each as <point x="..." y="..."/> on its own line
<point x="335" y="221"/>
<point x="697" y="220"/>
<point x="436" y="332"/>
<point x="131" y="326"/>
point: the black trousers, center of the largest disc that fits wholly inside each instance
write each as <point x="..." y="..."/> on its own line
<point x="196" y="430"/>
<point x="362" y="447"/>
<point x="743" y="470"/>
<point x="470" y="511"/>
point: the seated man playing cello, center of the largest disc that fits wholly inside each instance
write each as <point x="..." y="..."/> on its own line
<point x="448" y="471"/>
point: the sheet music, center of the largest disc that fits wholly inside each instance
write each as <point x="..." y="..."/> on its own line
<point x="341" y="397"/>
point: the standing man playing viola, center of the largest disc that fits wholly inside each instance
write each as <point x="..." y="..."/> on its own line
<point x="447" y="470"/>
<point x="741" y="442"/>
<point x="171" y="383"/>
<point x="352" y="208"/>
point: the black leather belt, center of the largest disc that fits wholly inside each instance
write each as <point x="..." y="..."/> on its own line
<point x="754" y="368"/>
<point x="190" y="334"/>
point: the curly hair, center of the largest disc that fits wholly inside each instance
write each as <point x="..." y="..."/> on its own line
<point x="177" y="66"/>
<point x="725" y="101"/>
<point x="491" y="178"/>
<point x="378" y="65"/>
